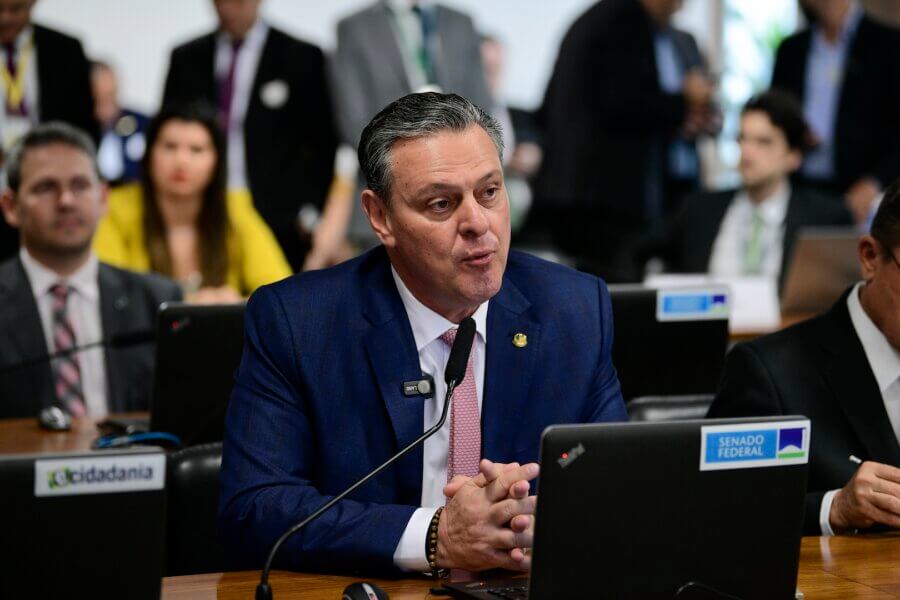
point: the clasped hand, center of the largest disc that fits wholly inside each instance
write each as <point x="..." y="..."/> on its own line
<point x="488" y="521"/>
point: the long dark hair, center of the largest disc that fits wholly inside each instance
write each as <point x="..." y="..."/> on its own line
<point x="212" y="222"/>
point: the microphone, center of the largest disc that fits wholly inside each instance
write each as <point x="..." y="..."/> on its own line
<point x="116" y="340"/>
<point x="453" y="375"/>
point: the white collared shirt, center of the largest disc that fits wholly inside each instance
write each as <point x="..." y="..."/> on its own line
<point x="244" y="76"/>
<point x="83" y="308"/>
<point x="884" y="360"/>
<point x="427" y="327"/>
<point x="727" y="258"/>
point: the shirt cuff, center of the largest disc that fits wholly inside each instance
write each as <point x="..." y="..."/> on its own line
<point x="825" y="512"/>
<point x="410" y="552"/>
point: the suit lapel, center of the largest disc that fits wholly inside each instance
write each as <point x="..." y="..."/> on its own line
<point x="391" y="349"/>
<point x="508" y="367"/>
<point x="704" y="225"/>
<point x="205" y="69"/>
<point x="22" y="323"/>
<point x="115" y="302"/>
<point x="265" y="70"/>
<point x="384" y="45"/>
<point x="850" y="377"/>
<point x="794" y="219"/>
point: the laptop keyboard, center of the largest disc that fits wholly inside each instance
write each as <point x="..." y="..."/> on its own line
<point x="509" y="593"/>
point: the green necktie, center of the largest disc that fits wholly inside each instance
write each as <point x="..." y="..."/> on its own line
<point x="754" y="251"/>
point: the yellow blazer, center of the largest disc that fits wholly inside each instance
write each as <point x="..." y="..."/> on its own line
<point x="254" y="256"/>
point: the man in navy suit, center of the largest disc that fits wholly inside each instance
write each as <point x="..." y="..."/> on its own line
<point x="319" y="398"/>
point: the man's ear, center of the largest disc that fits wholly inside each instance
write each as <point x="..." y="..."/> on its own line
<point x="379" y="217"/>
<point x="9" y="205"/>
<point x="869" y="257"/>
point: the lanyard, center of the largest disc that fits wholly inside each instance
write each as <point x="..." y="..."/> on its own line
<point x="15" y="88"/>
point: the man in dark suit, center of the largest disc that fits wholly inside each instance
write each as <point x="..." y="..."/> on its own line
<point x="56" y="296"/>
<point x="843" y="70"/>
<point x="56" y="87"/>
<point x="319" y="398"/>
<point x="752" y="230"/>
<point x="274" y="102"/>
<point x="626" y="99"/>
<point x="842" y="370"/>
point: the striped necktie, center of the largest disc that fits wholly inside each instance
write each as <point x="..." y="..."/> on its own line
<point x="66" y="371"/>
<point x="753" y="254"/>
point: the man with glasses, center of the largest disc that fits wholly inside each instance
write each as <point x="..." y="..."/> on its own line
<point x="842" y="370"/>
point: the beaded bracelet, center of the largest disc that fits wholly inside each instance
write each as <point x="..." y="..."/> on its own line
<point x="431" y="542"/>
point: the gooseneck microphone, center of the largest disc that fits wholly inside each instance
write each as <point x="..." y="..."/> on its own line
<point x="116" y="340"/>
<point x="453" y="375"/>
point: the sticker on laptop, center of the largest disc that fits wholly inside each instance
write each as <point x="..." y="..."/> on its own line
<point x="748" y="445"/>
<point x="99" y="475"/>
<point x="692" y="304"/>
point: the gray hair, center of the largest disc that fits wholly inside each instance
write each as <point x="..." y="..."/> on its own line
<point x="45" y="134"/>
<point x="415" y="116"/>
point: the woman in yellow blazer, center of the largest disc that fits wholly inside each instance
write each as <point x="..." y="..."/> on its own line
<point x="180" y="222"/>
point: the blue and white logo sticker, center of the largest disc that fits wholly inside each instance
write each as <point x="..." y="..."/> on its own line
<point x="749" y="445"/>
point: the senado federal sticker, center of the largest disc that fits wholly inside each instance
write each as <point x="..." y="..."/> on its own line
<point x="748" y="445"/>
<point x="99" y="475"/>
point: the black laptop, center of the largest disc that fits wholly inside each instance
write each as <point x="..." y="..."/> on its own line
<point x="198" y="349"/>
<point x="687" y="509"/>
<point x="669" y="342"/>
<point x="83" y="525"/>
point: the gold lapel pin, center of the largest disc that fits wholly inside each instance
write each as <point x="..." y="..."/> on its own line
<point x="520" y="340"/>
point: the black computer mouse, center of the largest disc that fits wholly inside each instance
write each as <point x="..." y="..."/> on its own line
<point x="364" y="591"/>
<point x="55" y="419"/>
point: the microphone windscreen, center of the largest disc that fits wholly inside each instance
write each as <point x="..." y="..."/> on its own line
<point x="459" y="352"/>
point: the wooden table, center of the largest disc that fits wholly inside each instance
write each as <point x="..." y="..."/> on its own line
<point x="865" y="567"/>
<point x="25" y="436"/>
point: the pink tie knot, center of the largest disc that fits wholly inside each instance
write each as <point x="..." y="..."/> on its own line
<point x="449" y="336"/>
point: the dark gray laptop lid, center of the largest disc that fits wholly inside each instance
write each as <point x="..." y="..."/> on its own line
<point x="637" y="510"/>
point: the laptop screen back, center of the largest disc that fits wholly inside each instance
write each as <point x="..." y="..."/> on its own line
<point x="631" y="510"/>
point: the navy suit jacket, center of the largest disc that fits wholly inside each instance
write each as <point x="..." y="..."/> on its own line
<point x="318" y="402"/>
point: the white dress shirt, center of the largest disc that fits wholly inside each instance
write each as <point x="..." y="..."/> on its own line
<point x="884" y="361"/>
<point x="727" y="258"/>
<point x="84" y="311"/>
<point x="427" y="327"/>
<point x="244" y="76"/>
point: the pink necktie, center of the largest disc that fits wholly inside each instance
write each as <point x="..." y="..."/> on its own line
<point x="67" y="372"/>
<point x="465" y="421"/>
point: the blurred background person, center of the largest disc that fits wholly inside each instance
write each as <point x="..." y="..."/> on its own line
<point x="56" y="295"/>
<point x="180" y="222"/>
<point x="522" y="153"/>
<point x="274" y="103"/>
<point x="392" y="48"/>
<point x="122" y="139"/>
<point x="54" y="88"/>
<point x="844" y="70"/>
<point x="751" y="230"/>
<point x="627" y="98"/>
